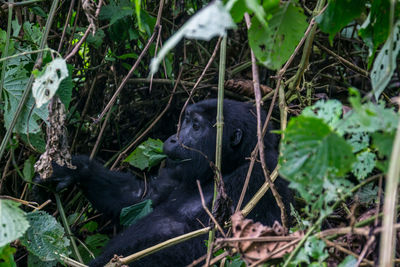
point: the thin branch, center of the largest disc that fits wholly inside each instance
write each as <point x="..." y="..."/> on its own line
<point x="260" y="137"/>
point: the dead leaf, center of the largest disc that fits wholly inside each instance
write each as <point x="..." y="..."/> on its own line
<point x="245" y="87"/>
<point x="253" y="251"/>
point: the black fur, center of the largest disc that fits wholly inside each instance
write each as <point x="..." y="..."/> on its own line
<point x="176" y="201"/>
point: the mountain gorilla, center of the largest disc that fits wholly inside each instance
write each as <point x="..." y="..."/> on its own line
<point x="174" y="193"/>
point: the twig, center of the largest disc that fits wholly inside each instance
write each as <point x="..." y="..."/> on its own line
<point x="124" y="81"/>
<point x="71" y="5"/>
<point x="271" y="107"/>
<point x="214" y="54"/>
<point x="165" y="244"/>
<point x="78" y="45"/>
<point x="257" y="263"/>
<point x="151" y="125"/>
<point x="344" y="61"/>
<point x="260" y="138"/>
<point x="203" y="203"/>
<point x="349" y="252"/>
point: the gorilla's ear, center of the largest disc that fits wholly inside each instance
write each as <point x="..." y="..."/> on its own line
<point x="236" y="137"/>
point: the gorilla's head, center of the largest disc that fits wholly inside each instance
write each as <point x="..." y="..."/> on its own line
<point x="190" y="153"/>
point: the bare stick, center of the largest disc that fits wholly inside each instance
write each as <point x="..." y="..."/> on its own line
<point x="203" y="203"/>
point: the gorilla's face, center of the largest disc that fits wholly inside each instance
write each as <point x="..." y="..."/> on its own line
<point x="190" y="153"/>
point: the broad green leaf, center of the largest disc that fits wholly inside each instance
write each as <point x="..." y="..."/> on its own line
<point x="383" y="142"/>
<point x="97" y="40"/>
<point x="95" y="244"/>
<point x="311" y="151"/>
<point x="15" y="82"/>
<point x="130" y="215"/>
<point x="329" y="111"/>
<point x="364" y="164"/>
<point x="7" y="256"/>
<point x="34" y="261"/>
<point x="13" y="223"/>
<point x="45" y="237"/>
<point x="29" y="170"/>
<point x="349" y="261"/>
<point x="36" y="140"/>
<point x="64" y="91"/>
<point x="147" y="154"/>
<point x="116" y="10"/>
<point x="213" y="20"/>
<point x="385" y="62"/>
<point x="273" y="45"/>
<point x="338" y="14"/>
<point x="258" y="11"/>
<point x="238" y="9"/>
<point x="375" y="29"/>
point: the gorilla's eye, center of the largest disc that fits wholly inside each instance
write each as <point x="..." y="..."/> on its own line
<point x="196" y="126"/>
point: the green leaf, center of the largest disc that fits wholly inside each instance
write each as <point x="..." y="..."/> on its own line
<point x="237" y="11"/>
<point x="385" y="63"/>
<point x="129" y="215"/>
<point x="45" y="237"/>
<point x="311" y="150"/>
<point x="368" y="194"/>
<point x="258" y="11"/>
<point x="13" y="223"/>
<point x="147" y="154"/>
<point x="97" y="40"/>
<point x="116" y="11"/>
<point x="315" y="248"/>
<point x="338" y="14"/>
<point x="95" y="244"/>
<point x="375" y="29"/>
<point x="15" y="82"/>
<point x="64" y="91"/>
<point x="36" y="140"/>
<point x="34" y="261"/>
<point x="7" y="256"/>
<point x="29" y="170"/>
<point x="364" y="164"/>
<point x="273" y="45"/>
<point x="358" y="141"/>
<point x="213" y="20"/>
<point x="329" y="111"/>
<point x="383" y="142"/>
<point x="137" y="10"/>
<point x="349" y="261"/>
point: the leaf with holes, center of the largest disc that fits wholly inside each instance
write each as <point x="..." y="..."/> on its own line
<point x="311" y="150"/>
<point x="45" y="86"/>
<point x="13" y="223"/>
<point x="385" y="62"/>
<point x="273" y="45"/>
<point x="45" y="238"/>
<point x="375" y="29"/>
<point x="358" y="141"/>
<point x="364" y="164"/>
<point x="329" y="111"/>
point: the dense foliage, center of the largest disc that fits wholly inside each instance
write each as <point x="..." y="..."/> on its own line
<point x="124" y="69"/>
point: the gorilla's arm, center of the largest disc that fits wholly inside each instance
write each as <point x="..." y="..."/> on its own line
<point x="108" y="191"/>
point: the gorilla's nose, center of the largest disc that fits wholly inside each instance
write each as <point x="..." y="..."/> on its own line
<point x="170" y="145"/>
